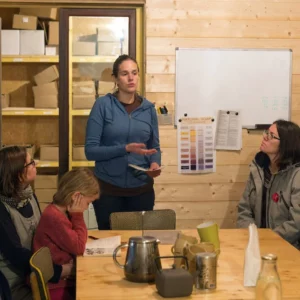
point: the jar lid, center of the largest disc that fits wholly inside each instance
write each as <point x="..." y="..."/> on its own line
<point x="142" y="239"/>
<point x="269" y="256"/>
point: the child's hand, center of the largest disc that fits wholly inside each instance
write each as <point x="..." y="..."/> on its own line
<point x="78" y="205"/>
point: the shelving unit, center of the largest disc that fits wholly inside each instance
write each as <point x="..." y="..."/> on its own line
<point x="29" y="59"/>
<point x="29" y="111"/>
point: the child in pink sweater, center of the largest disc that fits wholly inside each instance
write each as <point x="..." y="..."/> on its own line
<point x="62" y="228"/>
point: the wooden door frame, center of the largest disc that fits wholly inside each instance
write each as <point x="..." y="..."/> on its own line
<point x="65" y="13"/>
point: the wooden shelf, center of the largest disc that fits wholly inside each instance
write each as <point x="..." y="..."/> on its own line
<point x="94" y="59"/>
<point x="46" y="164"/>
<point x="29" y="111"/>
<point x="80" y="112"/>
<point x="83" y="163"/>
<point x="29" y="59"/>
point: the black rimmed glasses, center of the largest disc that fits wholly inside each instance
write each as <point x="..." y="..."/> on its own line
<point x="269" y="135"/>
<point x="32" y="162"/>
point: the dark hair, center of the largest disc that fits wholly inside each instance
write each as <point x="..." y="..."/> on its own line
<point x="12" y="161"/>
<point x="118" y="62"/>
<point x="289" y="146"/>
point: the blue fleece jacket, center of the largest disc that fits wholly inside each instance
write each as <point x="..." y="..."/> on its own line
<point x="109" y="129"/>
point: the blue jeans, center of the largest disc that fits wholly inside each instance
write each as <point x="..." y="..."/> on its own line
<point x="106" y="205"/>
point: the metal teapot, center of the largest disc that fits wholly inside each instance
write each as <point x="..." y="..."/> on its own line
<point x="140" y="258"/>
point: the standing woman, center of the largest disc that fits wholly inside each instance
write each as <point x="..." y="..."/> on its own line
<point x="272" y="195"/>
<point x="122" y="129"/>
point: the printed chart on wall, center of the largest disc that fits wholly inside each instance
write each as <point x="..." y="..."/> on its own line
<point x="196" y="152"/>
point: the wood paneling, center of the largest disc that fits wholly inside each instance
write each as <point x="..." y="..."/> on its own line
<point x="231" y="10"/>
<point x="199" y="192"/>
<point x="223" y="28"/>
<point x="167" y="45"/>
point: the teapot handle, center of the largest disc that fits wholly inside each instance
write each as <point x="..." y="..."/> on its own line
<point x="115" y="255"/>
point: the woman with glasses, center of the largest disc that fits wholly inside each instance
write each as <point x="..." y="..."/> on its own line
<point x="272" y="195"/>
<point x="19" y="217"/>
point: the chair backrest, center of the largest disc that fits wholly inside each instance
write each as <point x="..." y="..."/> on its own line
<point x="161" y="219"/>
<point x="42" y="271"/>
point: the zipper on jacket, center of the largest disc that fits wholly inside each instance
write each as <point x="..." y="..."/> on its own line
<point x="283" y="200"/>
<point x="268" y="202"/>
<point x="126" y="183"/>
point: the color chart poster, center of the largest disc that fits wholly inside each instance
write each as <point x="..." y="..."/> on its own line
<point x="196" y="152"/>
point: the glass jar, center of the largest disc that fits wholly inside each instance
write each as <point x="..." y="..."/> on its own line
<point x="268" y="286"/>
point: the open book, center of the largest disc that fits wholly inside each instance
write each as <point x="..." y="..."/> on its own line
<point x="102" y="247"/>
<point x="144" y="169"/>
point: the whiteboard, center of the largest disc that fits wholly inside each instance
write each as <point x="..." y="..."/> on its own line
<point x="255" y="82"/>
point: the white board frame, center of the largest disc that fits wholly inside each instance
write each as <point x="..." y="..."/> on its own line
<point x="248" y="126"/>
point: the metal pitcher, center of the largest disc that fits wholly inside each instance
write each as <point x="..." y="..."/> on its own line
<point x="140" y="258"/>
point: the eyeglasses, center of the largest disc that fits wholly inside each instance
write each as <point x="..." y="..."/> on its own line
<point x="31" y="163"/>
<point x="269" y="135"/>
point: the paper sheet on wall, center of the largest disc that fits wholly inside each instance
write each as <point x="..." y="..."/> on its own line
<point x="102" y="247"/>
<point x="228" y="134"/>
<point x="195" y="140"/>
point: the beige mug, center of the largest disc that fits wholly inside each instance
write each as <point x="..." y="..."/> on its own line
<point x="178" y="248"/>
<point x="190" y="252"/>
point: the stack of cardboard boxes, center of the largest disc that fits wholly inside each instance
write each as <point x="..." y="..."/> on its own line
<point x="108" y="43"/>
<point x="45" y="186"/>
<point x="84" y="94"/>
<point x="25" y="39"/>
<point x="46" y="91"/>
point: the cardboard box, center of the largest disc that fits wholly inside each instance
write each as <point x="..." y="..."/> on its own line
<point x="46" y="182"/>
<point x="78" y="152"/>
<point x="4" y="100"/>
<point x="51" y="50"/>
<point x="106" y="75"/>
<point x="10" y="42"/>
<point x="41" y="12"/>
<point x="83" y="101"/>
<point x="49" y="152"/>
<point x="32" y="42"/>
<point x="50" y="101"/>
<point x="45" y="195"/>
<point x="48" y="75"/>
<point x="53" y="38"/>
<point x="84" y="48"/>
<point x="45" y="89"/>
<point x="105" y="87"/>
<point x="83" y="87"/>
<point x="24" y="22"/>
<point x="109" y="48"/>
<point x="107" y="35"/>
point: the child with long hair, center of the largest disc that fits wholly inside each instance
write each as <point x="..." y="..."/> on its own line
<point x="62" y="228"/>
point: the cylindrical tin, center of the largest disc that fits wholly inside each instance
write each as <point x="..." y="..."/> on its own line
<point x="206" y="271"/>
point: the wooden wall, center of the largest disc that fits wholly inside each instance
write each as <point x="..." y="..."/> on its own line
<point x="202" y="23"/>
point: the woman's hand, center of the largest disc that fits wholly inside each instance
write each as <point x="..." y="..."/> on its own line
<point x="139" y="148"/>
<point x="153" y="172"/>
<point x="78" y="205"/>
<point x="68" y="270"/>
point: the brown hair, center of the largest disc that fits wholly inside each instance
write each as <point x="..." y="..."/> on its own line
<point x="119" y="61"/>
<point x="77" y="180"/>
<point x="12" y="162"/>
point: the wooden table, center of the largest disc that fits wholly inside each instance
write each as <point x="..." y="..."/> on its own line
<point x="99" y="279"/>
